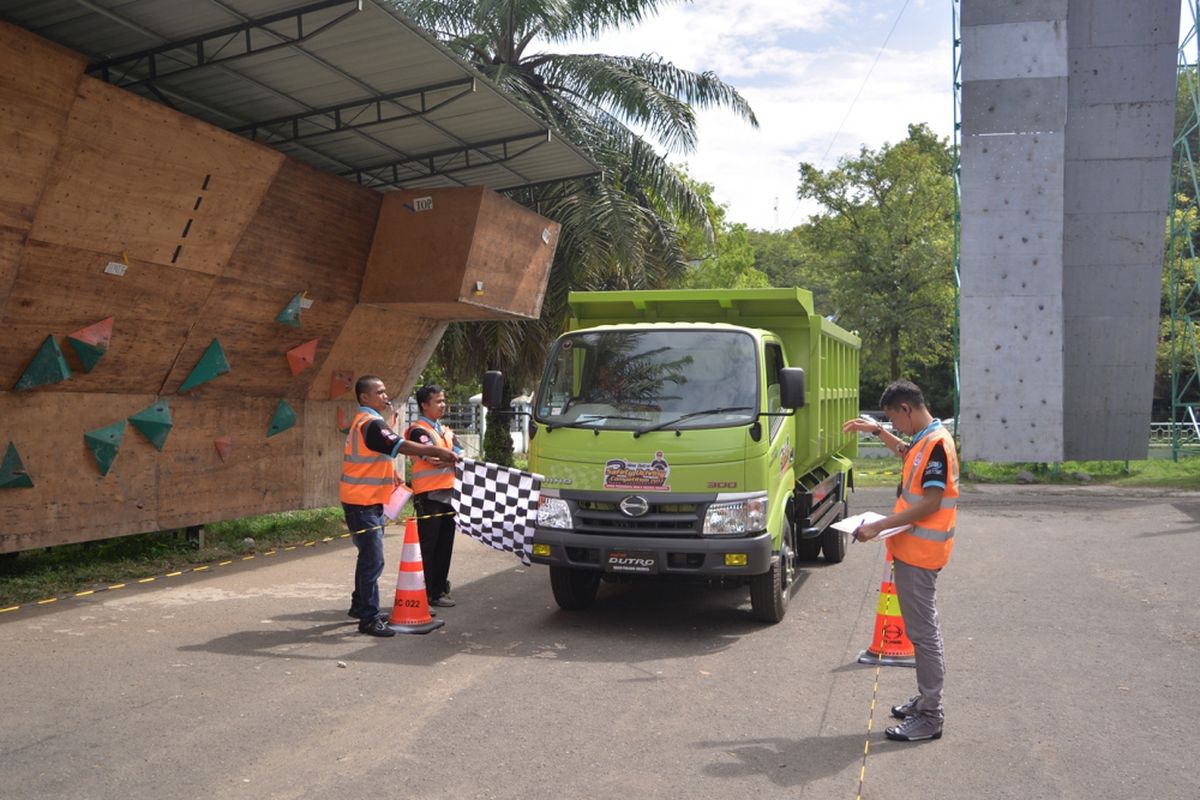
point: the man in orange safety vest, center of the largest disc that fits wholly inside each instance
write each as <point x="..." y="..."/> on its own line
<point x="928" y="502"/>
<point x="368" y="478"/>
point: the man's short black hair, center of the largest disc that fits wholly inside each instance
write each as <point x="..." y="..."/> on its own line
<point x="363" y="385"/>
<point x="902" y="391"/>
<point x="427" y="391"/>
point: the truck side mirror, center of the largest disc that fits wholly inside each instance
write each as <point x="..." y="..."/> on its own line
<point x="493" y="388"/>
<point x="791" y="387"/>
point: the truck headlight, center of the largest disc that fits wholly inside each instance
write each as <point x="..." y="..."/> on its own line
<point x="554" y="512"/>
<point x="745" y="515"/>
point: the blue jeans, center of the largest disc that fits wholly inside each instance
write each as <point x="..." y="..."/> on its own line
<point x="364" y="603"/>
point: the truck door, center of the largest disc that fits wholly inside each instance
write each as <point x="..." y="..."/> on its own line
<point x="779" y="435"/>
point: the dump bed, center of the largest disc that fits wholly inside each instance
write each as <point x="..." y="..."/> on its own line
<point x="827" y="353"/>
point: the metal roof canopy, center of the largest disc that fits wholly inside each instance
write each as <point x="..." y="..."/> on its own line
<point x="349" y="86"/>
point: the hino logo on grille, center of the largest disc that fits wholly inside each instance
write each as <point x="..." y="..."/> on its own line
<point x="634" y="506"/>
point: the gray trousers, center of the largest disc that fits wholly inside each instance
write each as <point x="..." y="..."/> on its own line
<point x="916" y="589"/>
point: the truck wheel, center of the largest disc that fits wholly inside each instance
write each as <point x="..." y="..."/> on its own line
<point x="834" y="542"/>
<point x="574" y="589"/>
<point x="808" y="549"/>
<point x="769" y="592"/>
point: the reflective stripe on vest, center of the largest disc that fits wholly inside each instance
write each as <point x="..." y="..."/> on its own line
<point x="367" y="477"/>
<point x="425" y="477"/>
<point x="929" y="543"/>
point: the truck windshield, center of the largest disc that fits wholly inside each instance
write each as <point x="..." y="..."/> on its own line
<point x="636" y="379"/>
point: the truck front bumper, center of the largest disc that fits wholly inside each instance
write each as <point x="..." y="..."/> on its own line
<point x="628" y="555"/>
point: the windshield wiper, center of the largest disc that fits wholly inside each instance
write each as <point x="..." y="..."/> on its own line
<point x="579" y="423"/>
<point x="689" y="415"/>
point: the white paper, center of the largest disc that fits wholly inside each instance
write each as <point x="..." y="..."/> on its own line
<point x="851" y="524"/>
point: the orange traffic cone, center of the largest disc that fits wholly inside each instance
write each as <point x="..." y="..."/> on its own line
<point x="410" y="612"/>
<point x="890" y="645"/>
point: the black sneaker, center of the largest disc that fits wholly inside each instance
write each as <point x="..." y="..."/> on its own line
<point x="375" y="627"/>
<point x="916" y="728"/>
<point x="442" y="602"/>
<point x="906" y="710"/>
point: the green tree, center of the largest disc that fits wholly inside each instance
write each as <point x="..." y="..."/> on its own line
<point x="1186" y="292"/>
<point x="497" y="441"/>
<point x="885" y="238"/>
<point x="731" y="265"/>
<point x="621" y="228"/>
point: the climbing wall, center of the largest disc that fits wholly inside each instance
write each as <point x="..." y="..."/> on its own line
<point x="1068" y="108"/>
<point x="184" y="310"/>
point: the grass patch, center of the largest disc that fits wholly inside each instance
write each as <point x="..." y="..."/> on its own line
<point x="58" y="571"/>
<point x="1154" y="472"/>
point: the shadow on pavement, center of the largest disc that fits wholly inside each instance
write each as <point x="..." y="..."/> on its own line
<point x="786" y="762"/>
<point x="509" y="615"/>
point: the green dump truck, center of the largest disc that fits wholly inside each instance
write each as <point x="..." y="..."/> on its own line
<point x="693" y="434"/>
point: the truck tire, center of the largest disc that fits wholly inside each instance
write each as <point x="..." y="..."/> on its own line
<point x="770" y="592"/>
<point x="835" y="542"/>
<point x="574" y="589"/>
<point x="808" y="549"/>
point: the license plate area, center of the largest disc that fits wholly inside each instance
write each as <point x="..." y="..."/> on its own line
<point x="638" y="561"/>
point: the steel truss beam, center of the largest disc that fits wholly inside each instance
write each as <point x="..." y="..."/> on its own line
<point x="1183" y="252"/>
<point x="355" y="115"/>
<point x="215" y="47"/>
<point x="426" y="165"/>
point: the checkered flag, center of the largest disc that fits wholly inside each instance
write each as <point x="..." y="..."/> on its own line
<point x="496" y="505"/>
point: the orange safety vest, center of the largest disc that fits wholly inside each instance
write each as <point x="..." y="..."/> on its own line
<point x="367" y="477"/>
<point x="425" y="477"/>
<point x="931" y="539"/>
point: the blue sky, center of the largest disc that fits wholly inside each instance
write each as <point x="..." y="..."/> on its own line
<point x="800" y="64"/>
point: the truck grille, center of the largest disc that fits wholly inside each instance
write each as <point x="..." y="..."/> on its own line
<point x="663" y="519"/>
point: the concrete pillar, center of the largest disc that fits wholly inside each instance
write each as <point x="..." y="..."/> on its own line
<point x="1066" y="144"/>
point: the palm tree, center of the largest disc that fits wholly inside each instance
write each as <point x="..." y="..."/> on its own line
<point x="620" y="229"/>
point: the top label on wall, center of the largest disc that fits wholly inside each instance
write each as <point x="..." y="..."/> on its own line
<point x="422" y="204"/>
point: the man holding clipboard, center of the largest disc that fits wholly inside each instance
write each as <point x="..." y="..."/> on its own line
<point x="927" y="501"/>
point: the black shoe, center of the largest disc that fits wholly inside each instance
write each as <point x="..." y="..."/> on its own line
<point x="442" y="602"/>
<point x="375" y="627"/>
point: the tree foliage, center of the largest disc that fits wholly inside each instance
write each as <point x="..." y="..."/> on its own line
<point x="620" y="229"/>
<point x="885" y="239"/>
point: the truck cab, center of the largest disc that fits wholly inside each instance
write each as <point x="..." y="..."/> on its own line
<point x="676" y="440"/>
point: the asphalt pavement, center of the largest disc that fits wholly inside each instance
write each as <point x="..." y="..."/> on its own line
<point x="1072" y="637"/>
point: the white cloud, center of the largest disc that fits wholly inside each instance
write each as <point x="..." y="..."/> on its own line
<point x="800" y="65"/>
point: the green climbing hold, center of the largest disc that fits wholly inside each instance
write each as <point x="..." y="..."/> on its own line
<point x="154" y="423"/>
<point x="12" y="470"/>
<point x="104" y="444"/>
<point x="285" y="417"/>
<point x="48" y="366"/>
<point x="290" y="315"/>
<point x="89" y="355"/>
<point x="210" y="365"/>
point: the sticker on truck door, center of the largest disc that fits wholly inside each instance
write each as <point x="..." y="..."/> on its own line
<point x="648" y="476"/>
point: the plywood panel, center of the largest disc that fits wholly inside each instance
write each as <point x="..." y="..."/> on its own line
<point x="37" y="87"/>
<point x="70" y="501"/>
<point x="135" y="176"/>
<point x="242" y="316"/>
<point x="511" y="254"/>
<point x="323" y="451"/>
<point x="312" y="232"/>
<point x="472" y="255"/>
<point x="12" y="242"/>
<point x="262" y="475"/>
<point x="381" y="341"/>
<point x="61" y="289"/>
<point x="419" y="256"/>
